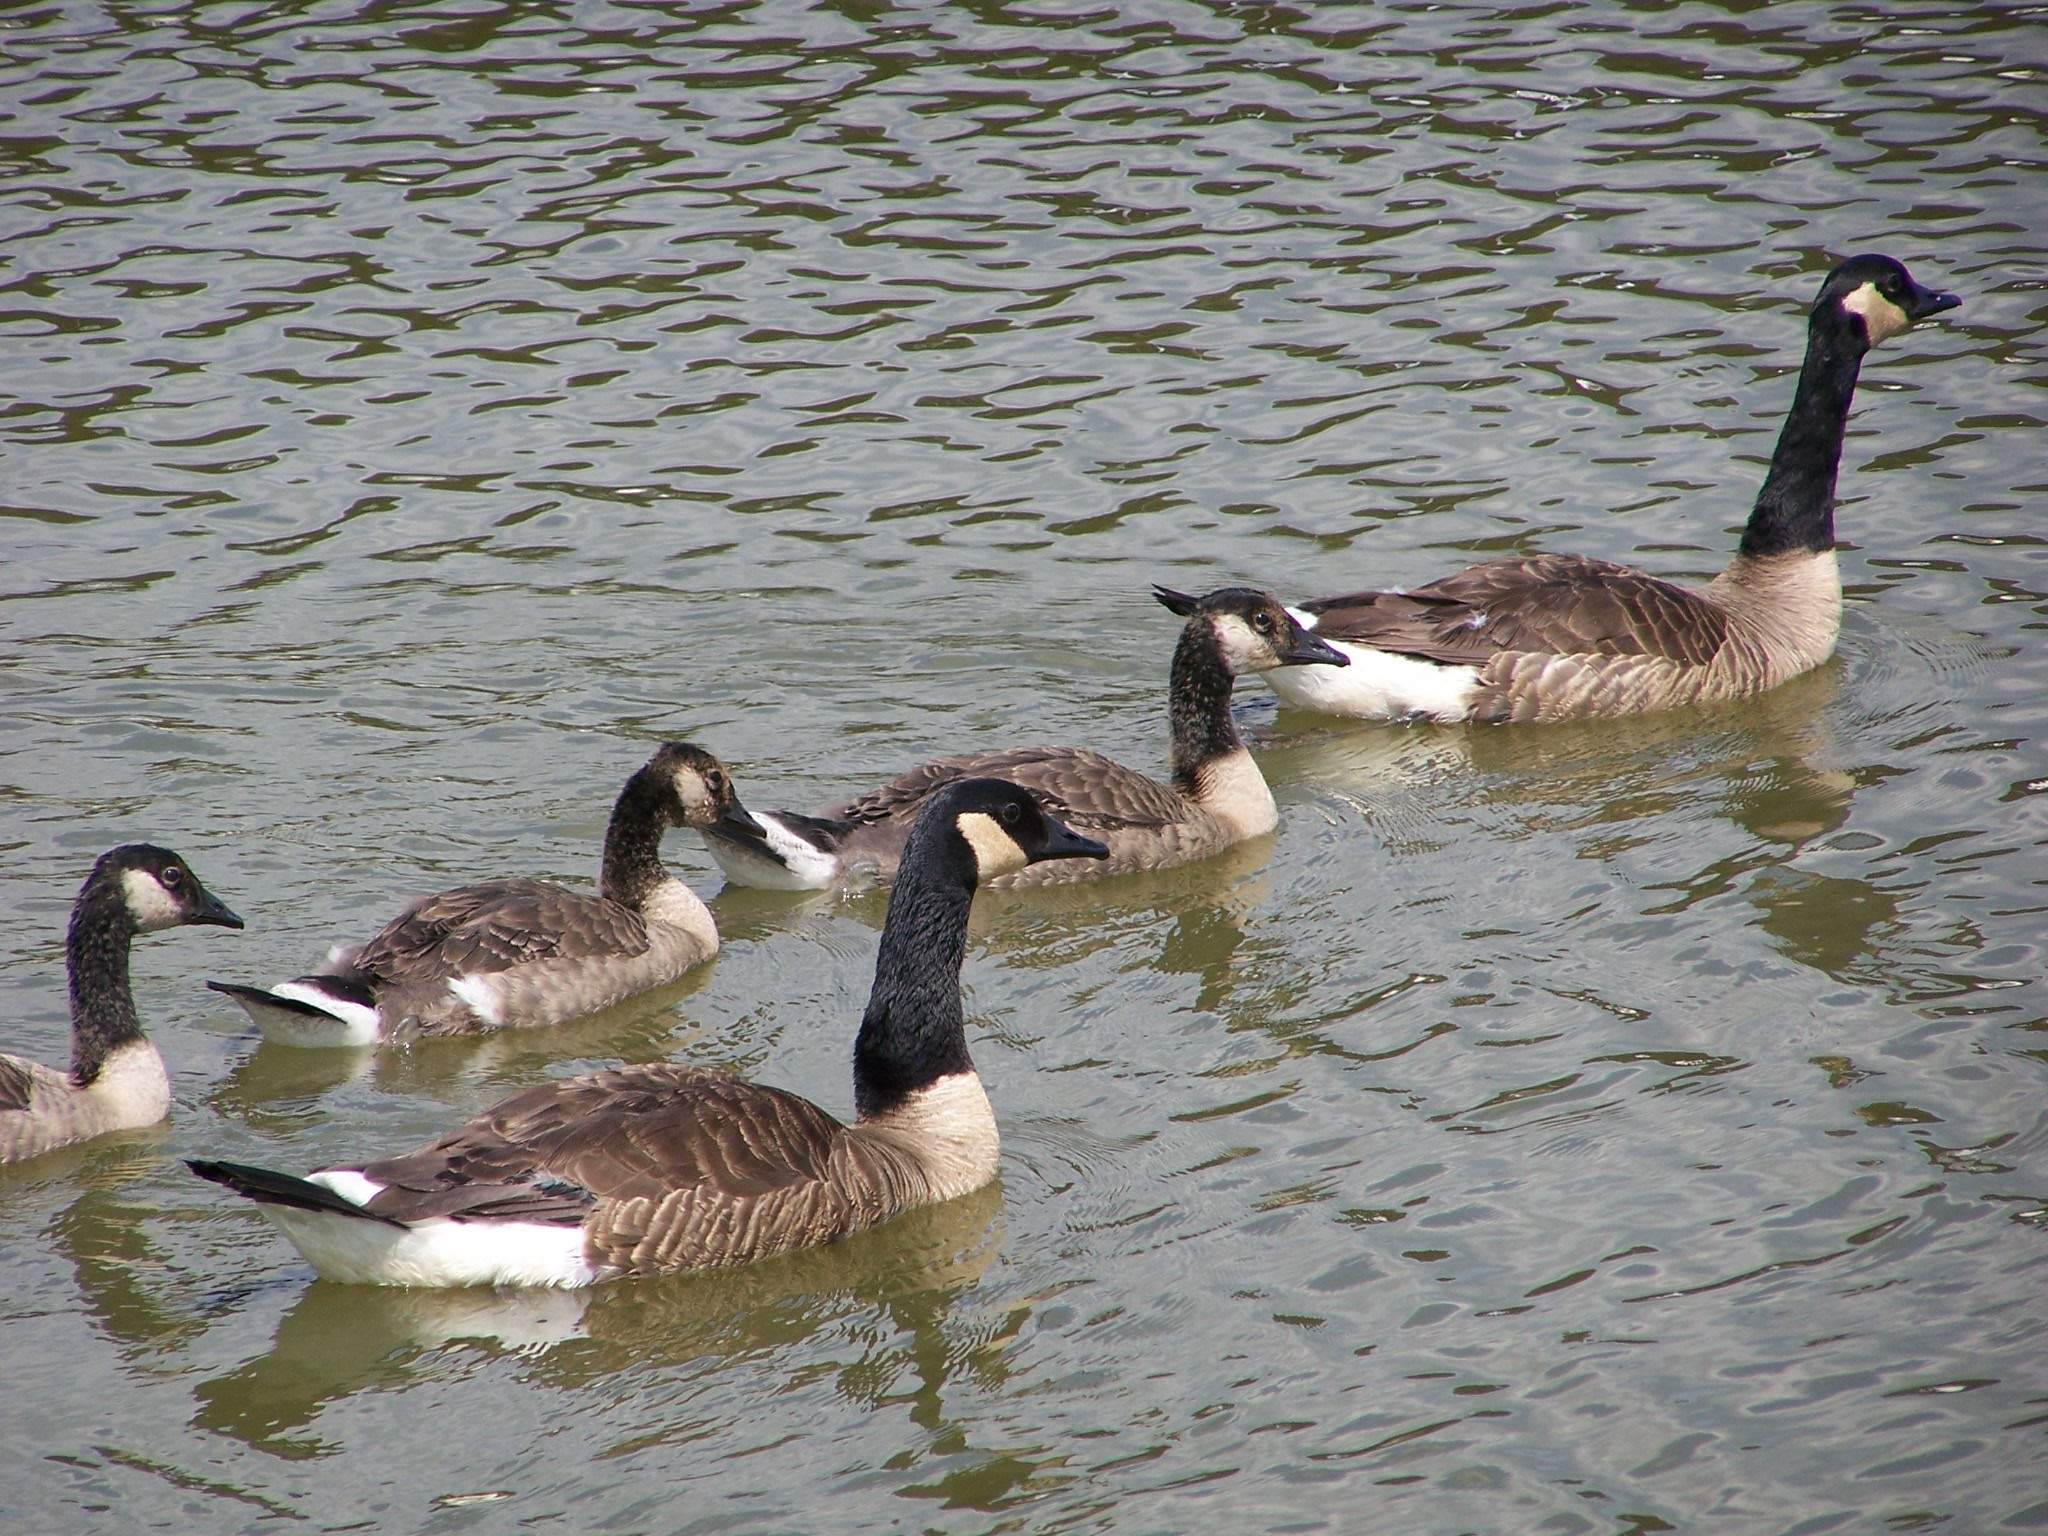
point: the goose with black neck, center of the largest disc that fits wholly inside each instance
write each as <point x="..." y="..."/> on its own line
<point x="661" y="1167"/>
<point x="1552" y="637"/>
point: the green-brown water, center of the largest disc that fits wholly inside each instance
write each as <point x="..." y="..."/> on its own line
<point x="411" y="413"/>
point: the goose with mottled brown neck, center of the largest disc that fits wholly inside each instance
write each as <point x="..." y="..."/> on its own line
<point x="661" y="1167"/>
<point x="117" y="1079"/>
<point x="1552" y="637"/>
<point x="518" y="953"/>
<point x="1214" y="797"/>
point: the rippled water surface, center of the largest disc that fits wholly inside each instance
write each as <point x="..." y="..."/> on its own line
<point x="411" y="413"/>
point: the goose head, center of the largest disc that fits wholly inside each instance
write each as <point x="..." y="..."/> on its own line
<point x="1876" y="297"/>
<point x="1254" y="631"/>
<point x="158" y="889"/>
<point x="1002" y="828"/>
<point x="698" y="790"/>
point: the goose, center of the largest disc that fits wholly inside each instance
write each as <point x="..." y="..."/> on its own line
<point x="644" y="1169"/>
<point x="1552" y="637"/>
<point x="117" y="1080"/>
<point x="516" y="953"/>
<point x="1216" y="796"/>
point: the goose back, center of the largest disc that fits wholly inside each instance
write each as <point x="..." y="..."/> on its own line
<point x="1146" y="823"/>
<point x="519" y="952"/>
<point x="662" y="1166"/>
<point x="1566" y="637"/>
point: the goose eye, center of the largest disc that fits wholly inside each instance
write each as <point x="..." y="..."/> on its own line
<point x="1263" y="623"/>
<point x="716" y="780"/>
<point x="1012" y="814"/>
<point x="173" y="878"/>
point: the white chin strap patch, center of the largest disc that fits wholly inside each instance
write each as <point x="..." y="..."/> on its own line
<point x="995" y="851"/>
<point x="1881" y="317"/>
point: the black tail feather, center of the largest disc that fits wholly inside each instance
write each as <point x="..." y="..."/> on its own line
<point x="344" y="989"/>
<point x="268" y="1187"/>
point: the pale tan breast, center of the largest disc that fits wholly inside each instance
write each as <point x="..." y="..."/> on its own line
<point x="1231" y="789"/>
<point x="132" y="1090"/>
<point x="943" y="1139"/>
<point x="1788" y="606"/>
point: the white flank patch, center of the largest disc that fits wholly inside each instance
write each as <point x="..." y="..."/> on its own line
<point x="152" y="907"/>
<point x="346" y="1022"/>
<point x="359" y="1250"/>
<point x="348" y="1183"/>
<point x="1378" y="686"/>
<point x="479" y="994"/>
<point x="789" y="863"/>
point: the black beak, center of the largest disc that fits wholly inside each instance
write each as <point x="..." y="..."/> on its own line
<point x="1305" y="646"/>
<point x="738" y="821"/>
<point x="209" y="908"/>
<point x="1063" y="842"/>
<point x="1927" y="302"/>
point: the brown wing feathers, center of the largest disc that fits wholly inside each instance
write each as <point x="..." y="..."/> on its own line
<point x="1090" y="791"/>
<point x="15" y="1084"/>
<point x="635" y="1134"/>
<point x="495" y="925"/>
<point x="1555" y="604"/>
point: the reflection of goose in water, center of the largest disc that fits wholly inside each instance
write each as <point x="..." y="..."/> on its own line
<point x="120" y="1270"/>
<point x="334" y="1343"/>
<point x="1770" y="764"/>
<point x="271" y="1087"/>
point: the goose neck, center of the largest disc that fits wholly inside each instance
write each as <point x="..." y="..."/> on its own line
<point x="1795" y="510"/>
<point x="103" y="1013"/>
<point x="1198" y="706"/>
<point x="915" y="1031"/>
<point x="632" y="869"/>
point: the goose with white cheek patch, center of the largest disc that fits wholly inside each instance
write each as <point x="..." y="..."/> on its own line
<point x="1555" y="637"/>
<point x="1216" y="796"/>
<point x="656" y="1168"/>
<point x="516" y="953"/>
<point x="117" y="1080"/>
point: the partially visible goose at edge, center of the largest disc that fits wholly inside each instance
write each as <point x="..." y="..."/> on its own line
<point x="117" y="1080"/>
<point x="516" y="953"/>
<point x="1217" y="796"/>
<point x="1554" y="637"/>
<point x="660" y="1167"/>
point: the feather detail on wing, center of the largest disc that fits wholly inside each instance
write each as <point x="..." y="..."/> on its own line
<point x="554" y="1151"/>
<point x="17" y="1083"/>
<point x="1555" y="604"/>
<point x="1085" y="789"/>
<point x="495" y="925"/>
